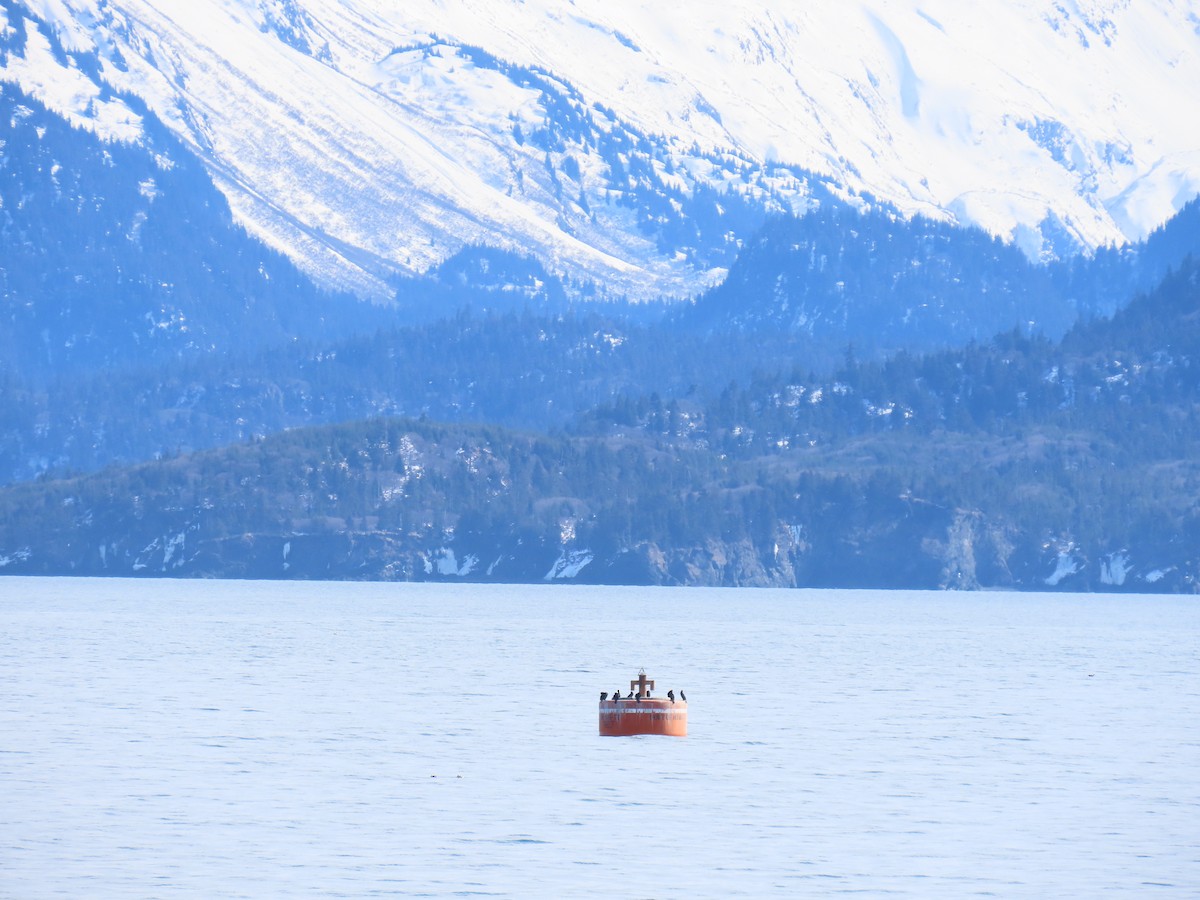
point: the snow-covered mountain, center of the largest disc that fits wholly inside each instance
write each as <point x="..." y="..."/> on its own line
<point x="629" y="143"/>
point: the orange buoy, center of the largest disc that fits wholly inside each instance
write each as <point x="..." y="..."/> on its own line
<point x="642" y="714"/>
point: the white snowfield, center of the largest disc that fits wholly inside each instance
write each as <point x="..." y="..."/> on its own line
<point x="359" y="137"/>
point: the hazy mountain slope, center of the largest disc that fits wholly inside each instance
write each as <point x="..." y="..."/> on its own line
<point x="118" y="255"/>
<point x="880" y="282"/>
<point x="801" y="292"/>
<point x="634" y="143"/>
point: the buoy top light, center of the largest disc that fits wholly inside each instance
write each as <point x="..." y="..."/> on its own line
<point x="640" y="684"/>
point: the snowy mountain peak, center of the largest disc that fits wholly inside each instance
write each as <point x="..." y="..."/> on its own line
<point x="628" y="143"/>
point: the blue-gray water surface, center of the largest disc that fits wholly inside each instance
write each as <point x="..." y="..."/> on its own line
<point x="253" y="739"/>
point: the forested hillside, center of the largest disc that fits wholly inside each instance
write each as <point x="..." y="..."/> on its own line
<point x="839" y="276"/>
<point x="516" y="354"/>
<point x="1020" y="462"/>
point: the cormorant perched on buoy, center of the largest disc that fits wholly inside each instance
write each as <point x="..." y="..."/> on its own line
<point x="616" y="696"/>
<point x="671" y="696"/>
<point x="683" y="696"/>
<point x="639" y="697"/>
<point x="603" y="696"/>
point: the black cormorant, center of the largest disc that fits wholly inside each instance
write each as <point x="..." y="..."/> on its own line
<point x="683" y="696"/>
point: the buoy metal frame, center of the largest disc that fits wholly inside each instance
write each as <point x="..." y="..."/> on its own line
<point x="650" y="715"/>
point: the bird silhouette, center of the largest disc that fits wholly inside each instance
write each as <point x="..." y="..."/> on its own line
<point x="683" y="696"/>
<point x="639" y="697"/>
<point x="616" y="695"/>
<point x="671" y="696"/>
<point x="603" y="696"/>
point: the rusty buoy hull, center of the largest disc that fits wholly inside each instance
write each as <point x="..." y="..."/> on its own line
<point x="619" y="718"/>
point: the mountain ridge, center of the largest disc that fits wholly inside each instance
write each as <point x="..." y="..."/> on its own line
<point x="364" y="141"/>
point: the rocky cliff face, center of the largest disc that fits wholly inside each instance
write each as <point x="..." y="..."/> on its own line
<point x="960" y="550"/>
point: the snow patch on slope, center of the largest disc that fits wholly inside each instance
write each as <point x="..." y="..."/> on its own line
<point x="1114" y="569"/>
<point x="445" y="562"/>
<point x="1065" y="565"/>
<point x="569" y="564"/>
<point x="68" y="90"/>
<point x="17" y="556"/>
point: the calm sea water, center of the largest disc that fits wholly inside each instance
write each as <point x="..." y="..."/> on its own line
<point x="238" y="739"/>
